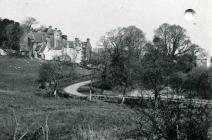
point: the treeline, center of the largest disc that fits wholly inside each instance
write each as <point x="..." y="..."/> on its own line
<point x="167" y="64"/>
<point x="10" y="34"/>
<point x="128" y="61"/>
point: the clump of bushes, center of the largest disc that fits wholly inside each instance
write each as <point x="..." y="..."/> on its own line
<point x="173" y="122"/>
<point x="87" y="88"/>
<point x="196" y="83"/>
<point x="102" y="85"/>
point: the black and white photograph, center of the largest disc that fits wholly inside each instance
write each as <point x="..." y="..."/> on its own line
<point x="105" y="69"/>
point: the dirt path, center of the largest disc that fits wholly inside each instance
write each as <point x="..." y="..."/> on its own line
<point x="72" y="89"/>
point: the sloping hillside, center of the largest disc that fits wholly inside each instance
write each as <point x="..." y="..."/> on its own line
<point x="68" y="118"/>
<point x="21" y="74"/>
<point x="18" y="73"/>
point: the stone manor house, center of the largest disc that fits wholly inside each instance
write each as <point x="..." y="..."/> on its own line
<point x="51" y="44"/>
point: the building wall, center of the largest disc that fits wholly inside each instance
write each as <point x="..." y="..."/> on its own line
<point x="78" y="56"/>
<point x="52" y="54"/>
<point x="203" y="62"/>
<point x="74" y="54"/>
<point x="54" y="46"/>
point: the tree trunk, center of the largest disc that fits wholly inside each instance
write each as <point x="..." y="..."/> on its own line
<point x="178" y="137"/>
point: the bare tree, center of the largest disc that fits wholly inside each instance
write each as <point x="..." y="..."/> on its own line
<point x="170" y="52"/>
<point x="28" y="22"/>
<point x="172" y="40"/>
<point x="123" y="48"/>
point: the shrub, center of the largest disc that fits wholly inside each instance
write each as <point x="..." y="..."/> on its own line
<point x="196" y="83"/>
<point x="173" y="122"/>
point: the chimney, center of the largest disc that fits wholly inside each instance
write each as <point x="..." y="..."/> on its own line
<point x="67" y="45"/>
<point x="88" y="40"/>
<point x="60" y="33"/>
<point x="55" y="37"/>
<point x="76" y="41"/>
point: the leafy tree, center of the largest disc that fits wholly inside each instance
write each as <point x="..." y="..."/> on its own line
<point x="154" y="71"/>
<point x="173" y="42"/>
<point x="13" y="33"/>
<point x="170" y="53"/>
<point x="10" y="33"/>
<point x="196" y="83"/>
<point x="3" y="38"/>
<point x="177" y="82"/>
<point x="51" y="72"/>
<point x="123" y="47"/>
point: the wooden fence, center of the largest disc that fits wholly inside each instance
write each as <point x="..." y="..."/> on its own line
<point x="136" y="100"/>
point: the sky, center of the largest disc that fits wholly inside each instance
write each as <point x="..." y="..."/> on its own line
<point x="93" y="18"/>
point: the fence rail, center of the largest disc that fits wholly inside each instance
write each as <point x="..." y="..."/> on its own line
<point x="139" y="99"/>
<point x="116" y="99"/>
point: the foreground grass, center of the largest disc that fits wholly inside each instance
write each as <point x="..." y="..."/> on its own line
<point x="68" y="118"/>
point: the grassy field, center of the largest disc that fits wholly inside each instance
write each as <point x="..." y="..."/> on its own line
<point x="68" y="118"/>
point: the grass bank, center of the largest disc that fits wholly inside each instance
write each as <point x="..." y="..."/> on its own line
<point x="68" y="118"/>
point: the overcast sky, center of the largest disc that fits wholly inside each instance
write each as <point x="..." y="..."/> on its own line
<point x="92" y="18"/>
